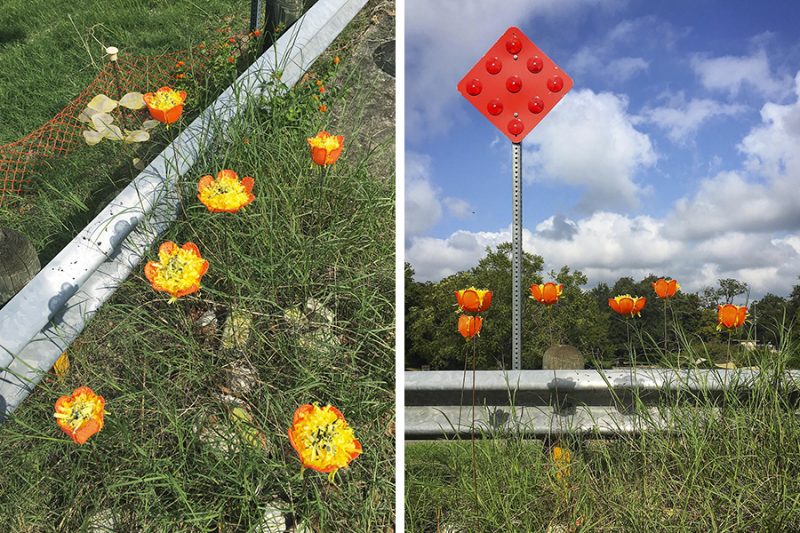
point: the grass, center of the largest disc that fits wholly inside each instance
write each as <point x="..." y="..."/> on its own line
<point x="56" y="53"/>
<point x="739" y="471"/>
<point x="167" y="378"/>
<point x="50" y="51"/>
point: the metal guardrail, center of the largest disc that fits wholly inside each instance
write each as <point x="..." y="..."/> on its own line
<point x="544" y="403"/>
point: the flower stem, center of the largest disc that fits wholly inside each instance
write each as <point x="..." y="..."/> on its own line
<point x="472" y="430"/>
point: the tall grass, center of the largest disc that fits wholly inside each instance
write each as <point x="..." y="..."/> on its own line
<point x="311" y="234"/>
<point x="729" y="463"/>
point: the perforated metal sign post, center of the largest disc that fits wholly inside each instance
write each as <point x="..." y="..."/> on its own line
<point x="515" y="85"/>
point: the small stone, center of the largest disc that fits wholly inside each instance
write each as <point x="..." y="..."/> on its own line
<point x="103" y="521"/>
<point x="219" y="437"/>
<point x="295" y="318"/>
<point x="315" y="308"/>
<point x="236" y="331"/>
<point x="274" y="518"/>
<point x="206" y="319"/>
<point x="240" y="377"/>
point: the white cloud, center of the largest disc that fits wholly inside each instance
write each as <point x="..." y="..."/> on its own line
<point x="445" y="38"/>
<point x="742" y="224"/>
<point x="458" y="207"/>
<point x="591" y="143"/>
<point x="732" y="73"/>
<point x="423" y="208"/>
<point x="763" y="196"/>
<point x="682" y="119"/>
<point x="624" y="68"/>
<point x="607" y="246"/>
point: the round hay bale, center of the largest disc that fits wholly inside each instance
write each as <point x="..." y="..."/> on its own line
<point x="562" y="357"/>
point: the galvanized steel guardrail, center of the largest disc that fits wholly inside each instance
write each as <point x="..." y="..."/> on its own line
<point x="41" y="321"/>
<point x="542" y="403"/>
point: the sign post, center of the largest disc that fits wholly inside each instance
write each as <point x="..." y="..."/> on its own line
<point x="515" y="85"/>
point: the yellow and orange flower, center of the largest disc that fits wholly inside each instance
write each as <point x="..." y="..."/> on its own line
<point x="325" y="148"/>
<point x="547" y="293"/>
<point x="178" y="271"/>
<point x="336" y="60"/>
<point x="323" y="108"/>
<point x="165" y="105"/>
<point x="474" y="300"/>
<point x="322" y="439"/>
<point x="561" y="462"/>
<point x="666" y="289"/>
<point x="731" y="316"/>
<point x="627" y="304"/>
<point x="469" y="326"/>
<point x="225" y="194"/>
<point x="80" y="415"/>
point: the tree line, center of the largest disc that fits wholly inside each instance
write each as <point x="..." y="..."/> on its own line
<point x="582" y="318"/>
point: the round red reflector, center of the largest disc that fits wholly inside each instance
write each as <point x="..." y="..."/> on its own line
<point x="494" y="107"/>
<point x="555" y="84"/>
<point x="514" y="84"/>
<point x="494" y="65"/>
<point x="535" y="64"/>
<point x="536" y="105"/>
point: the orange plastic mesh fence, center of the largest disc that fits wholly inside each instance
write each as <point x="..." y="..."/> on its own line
<point x="61" y="135"/>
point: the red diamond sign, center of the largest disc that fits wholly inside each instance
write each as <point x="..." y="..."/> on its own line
<point x="515" y="85"/>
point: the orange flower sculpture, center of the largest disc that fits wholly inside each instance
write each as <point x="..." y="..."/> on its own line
<point x="473" y="300"/>
<point x="178" y="271"/>
<point x="322" y="439"/>
<point x="165" y="105"/>
<point x="469" y="326"/>
<point x="325" y="148"/>
<point x="547" y="293"/>
<point x="731" y="316"/>
<point x="80" y="415"/>
<point x="225" y="194"/>
<point x="627" y="304"/>
<point x="561" y="462"/>
<point x="666" y="289"/>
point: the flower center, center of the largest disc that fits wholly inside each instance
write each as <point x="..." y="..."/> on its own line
<point x="165" y="100"/>
<point x="328" y="143"/>
<point x="322" y="439"/>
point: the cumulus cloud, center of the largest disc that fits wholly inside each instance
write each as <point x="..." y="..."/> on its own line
<point x="607" y="246"/>
<point x="437" y="55"/>
<point x="733" y="73"/>
<point x="423" y="208"/>
<point x="742" y="223"/>
<point x="458" y="207"/>
<point x="762" y="196"/>
<point x="681" y="119"/>
<point x="591" y="143"/>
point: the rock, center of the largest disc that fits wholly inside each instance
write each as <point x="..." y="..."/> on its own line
<point x="562" y="357"/>
<point x="274" y="519"/>
<point x="384" y="57"/>
<point x="240" y="377"/>
<point x="19" y="263"/>
<point x="103" y="521"/>
<point x="236" y="331"/>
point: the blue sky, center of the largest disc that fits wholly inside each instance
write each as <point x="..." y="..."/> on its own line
<point x="677" y="152"/>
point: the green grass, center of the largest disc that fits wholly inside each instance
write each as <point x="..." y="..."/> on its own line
<point x="309" y="234"/>
<point x="736" y="472"/>
<point x="52" y="59"/>
<point x="50" y="51"/>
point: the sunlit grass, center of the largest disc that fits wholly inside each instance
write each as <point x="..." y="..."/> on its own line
<point x="729" y="466"/>
<point x="311" y="234"/>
